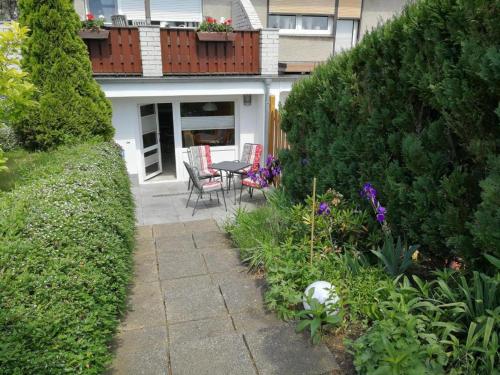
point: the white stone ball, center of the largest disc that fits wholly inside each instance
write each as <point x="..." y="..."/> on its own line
<point x="324" y="292"/>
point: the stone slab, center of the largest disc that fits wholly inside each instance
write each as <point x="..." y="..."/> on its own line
<point x="255" y="320"/>
<point x="282" y="351"/>
<point x="206" y="225"/>
<point x="143" y="232"/>
<point x="221" y="355"/>
<point x="192" y="298"/>
<point x="224" y="260"/>
<point x="145" y="267"/>
<point x="145" y="307"/>
<point x="174" y="265"/>
<point x="143" y="245"/>
<point x="240" y="291"/>
<point x="169" y="230"/>
<point x="200" y="329"/>
<point x="210" y="240"/>
<point x="176" y="243"/>
<point x="141" y="352"/>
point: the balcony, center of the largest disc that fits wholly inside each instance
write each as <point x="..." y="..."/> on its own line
<point x="181" y="53"/>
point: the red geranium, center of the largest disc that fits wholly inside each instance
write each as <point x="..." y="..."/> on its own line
<point x="90" y="17"/>
<point x="211" y="20"/>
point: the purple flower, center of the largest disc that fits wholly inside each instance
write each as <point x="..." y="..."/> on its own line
<point x="369" y="192"/>
<point x="381" y="211"/>
<point x="324" y="209"/>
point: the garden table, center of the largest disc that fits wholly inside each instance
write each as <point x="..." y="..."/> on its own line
<point x="231" y="168"/>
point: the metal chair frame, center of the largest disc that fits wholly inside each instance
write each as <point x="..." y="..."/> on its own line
<point x="193" y="174"/>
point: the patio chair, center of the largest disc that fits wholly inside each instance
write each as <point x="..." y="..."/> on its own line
<point x="251" y="185"/>
<point x="119" y="20"/>
<point x="207" y="186"/>
<point x="200" y="157"/>
<point x="251" y="155"/>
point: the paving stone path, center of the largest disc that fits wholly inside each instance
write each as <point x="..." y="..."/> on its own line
<point x="194" y="310"/>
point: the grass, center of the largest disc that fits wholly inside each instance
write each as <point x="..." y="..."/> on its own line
<point x="19" y="161"/>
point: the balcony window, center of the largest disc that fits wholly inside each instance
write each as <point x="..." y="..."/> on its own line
<point x="347" y="35"/>
<point x="207" y="123"/>
<point x="302" y="24"/>
<point x="314" y="22"/>
<point x="106" y="8"/>
<point x="281" y="21"/>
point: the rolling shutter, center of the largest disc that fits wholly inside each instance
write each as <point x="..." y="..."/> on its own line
<point x="347" y="8"/>
<point x="302" y="7"/>
<point x="133" y="9"/>
<point x="350" y="9"/>
<point x="176" y="10"/>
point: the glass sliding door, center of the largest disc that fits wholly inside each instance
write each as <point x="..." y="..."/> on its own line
<point x="151" y="151"/>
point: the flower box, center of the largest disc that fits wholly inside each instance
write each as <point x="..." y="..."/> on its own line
<point x="204" y="36"/>
<point x="94" y="34"/>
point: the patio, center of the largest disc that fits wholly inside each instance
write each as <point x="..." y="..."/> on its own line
<point x="165" y="202"/>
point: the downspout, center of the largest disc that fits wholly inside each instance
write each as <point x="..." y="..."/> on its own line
<point x="267" y="87"/>
<point x="335" y="19"/>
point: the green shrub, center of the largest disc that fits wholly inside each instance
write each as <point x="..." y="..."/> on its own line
<point x="414" y="109"/>
<point x="66" y="236"/>
<point x="8" y="139"/>
<point x="72" y="106"/>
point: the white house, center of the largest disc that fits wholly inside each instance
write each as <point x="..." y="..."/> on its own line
<point x="170" y="89"/>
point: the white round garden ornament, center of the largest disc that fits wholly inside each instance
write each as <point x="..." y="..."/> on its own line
<point x="324" y="292"/>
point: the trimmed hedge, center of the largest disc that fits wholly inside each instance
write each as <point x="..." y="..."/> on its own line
<point x="66" y="239"/>
<point x="413" y="109"/>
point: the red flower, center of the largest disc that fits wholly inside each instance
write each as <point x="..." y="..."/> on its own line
<point x="228" y="21"/>
<point x="90" y="17"/>
<point x="211" y="20"/>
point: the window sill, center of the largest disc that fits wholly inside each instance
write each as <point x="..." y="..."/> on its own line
<point x="312" y="33"/>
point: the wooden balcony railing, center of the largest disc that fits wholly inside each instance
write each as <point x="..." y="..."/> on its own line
<point x="119" y="54"/>
<point x="182" y="53"/>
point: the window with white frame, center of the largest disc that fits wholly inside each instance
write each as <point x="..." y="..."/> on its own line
<point x="294" y="24"/>
<point x="347" y="35"/>
<point x="207" y="123"/>
<point x="106" y="8"/>
<point x="187" y="13"/>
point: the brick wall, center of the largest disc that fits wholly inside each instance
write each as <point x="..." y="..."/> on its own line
<point x="151" y="51"/>
<point x="244" y="15"/>
<point x="269" y="51"/>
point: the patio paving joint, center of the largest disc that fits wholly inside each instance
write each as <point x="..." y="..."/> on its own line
<point x="250" y="354"/>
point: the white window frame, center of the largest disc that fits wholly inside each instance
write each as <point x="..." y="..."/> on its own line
<point x="87" y="11"/>
<point x="298" y="31"/>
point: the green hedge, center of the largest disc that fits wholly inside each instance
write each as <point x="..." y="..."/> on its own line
<point x="413" y="109"/>
<point x="66" y="238"/>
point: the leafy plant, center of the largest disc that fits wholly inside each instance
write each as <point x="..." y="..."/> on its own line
<point x="395" y="257"/>
<point x="72" y="107"/>
<point x="318" y="317"/>
<point x="210" y="24"/>
<point x="91" y="23"/>
<point x="66" y="239"/>
<point x="16" y="90"/>
<point x="414" y="109"/>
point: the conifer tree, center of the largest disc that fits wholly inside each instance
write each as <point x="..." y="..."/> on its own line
<point x="72" y="106"/>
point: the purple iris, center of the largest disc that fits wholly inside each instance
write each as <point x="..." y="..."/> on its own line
<point x="369" y="192"/>
<point x="381" y="211"/>
<point x="324" y="209"/>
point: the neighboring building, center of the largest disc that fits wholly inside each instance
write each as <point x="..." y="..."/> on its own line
<point x="170" y="90"/>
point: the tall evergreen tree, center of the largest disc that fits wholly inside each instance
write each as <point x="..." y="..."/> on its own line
<point x="72" y="106"/>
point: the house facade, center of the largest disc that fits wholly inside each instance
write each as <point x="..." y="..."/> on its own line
<point x="170" y="90"/>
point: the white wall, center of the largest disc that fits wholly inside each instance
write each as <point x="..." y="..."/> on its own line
<point x="249" y="119"/>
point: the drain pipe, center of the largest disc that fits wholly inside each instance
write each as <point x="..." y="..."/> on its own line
<point x="267" y="87"/>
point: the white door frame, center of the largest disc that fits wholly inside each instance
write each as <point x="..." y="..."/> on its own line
<point x="156" y="146"/>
